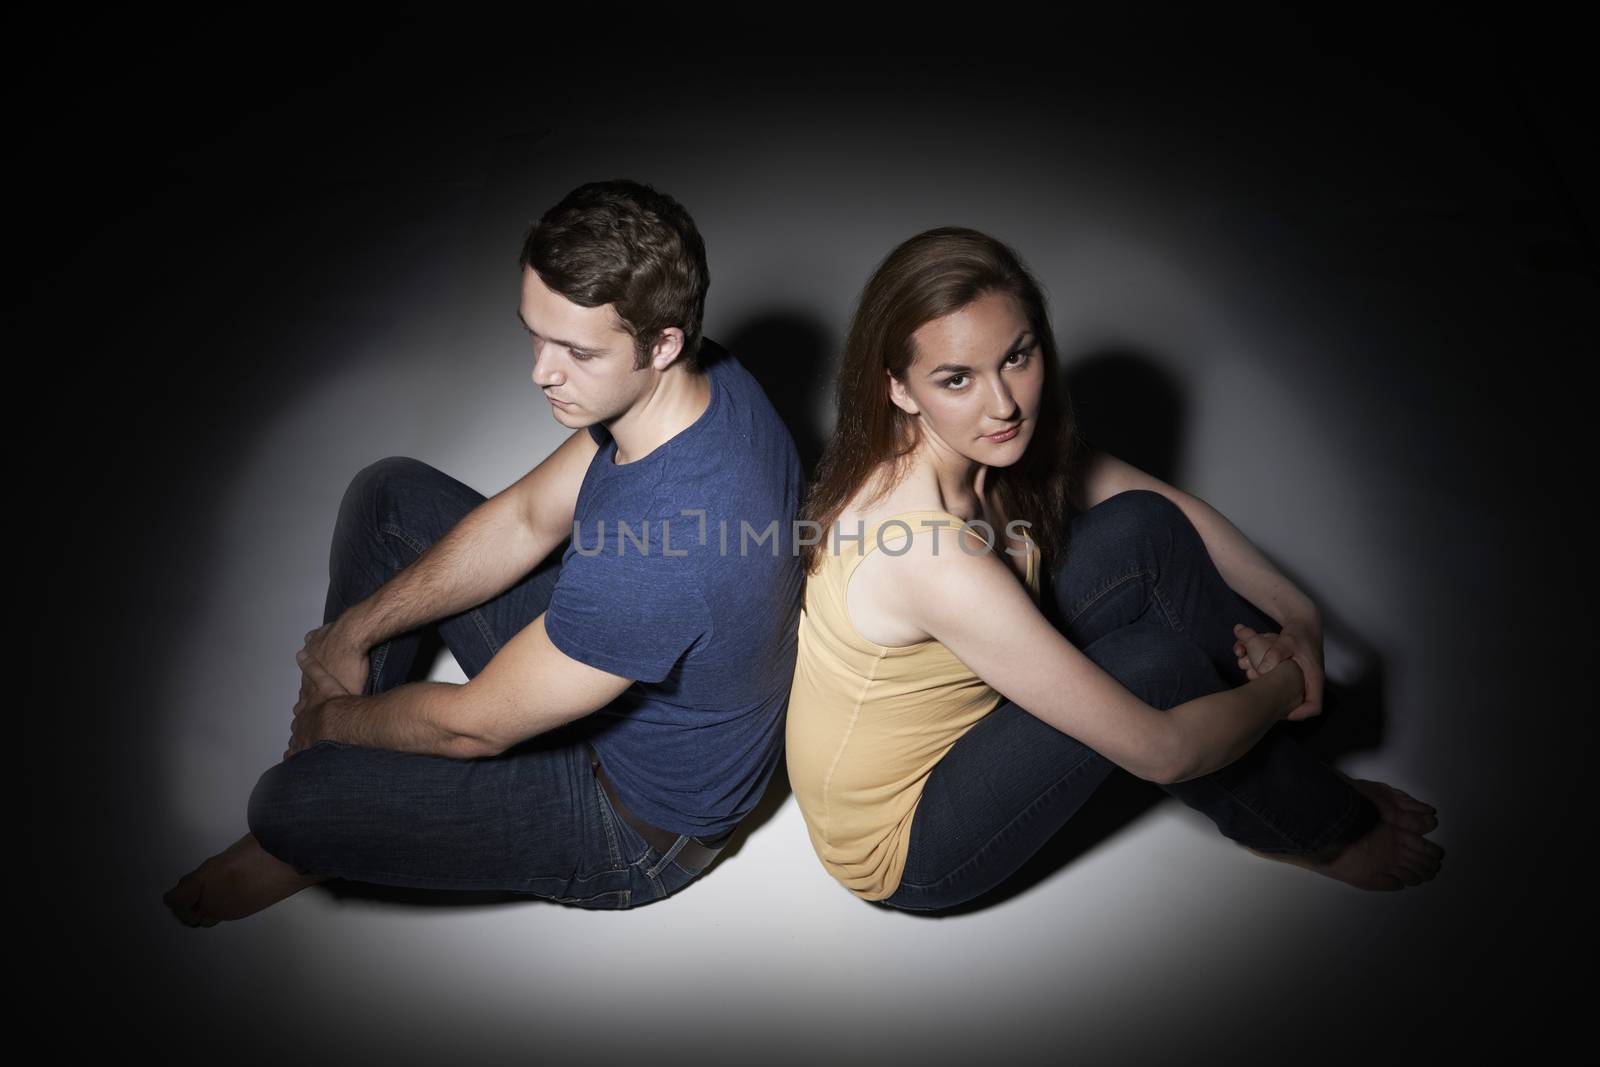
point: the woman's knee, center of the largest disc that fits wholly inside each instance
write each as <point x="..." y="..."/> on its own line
<point x="1134" y="511"/>
<point x="1131" y="531"/>
<point x="1139" y="521"/>
<point x="1159" y="665"/>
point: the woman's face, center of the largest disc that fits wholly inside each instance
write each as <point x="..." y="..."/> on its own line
<point x="976" y="379"/>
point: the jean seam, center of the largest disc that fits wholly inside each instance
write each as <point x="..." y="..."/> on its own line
<point x="988" y="844"/>
<point x="610" y="827"/>
<point x="1101" y="593"/>
<point x="486" y="632"/>
<point x="469" y="884"/>
<point x="1265" y="815"/>
<point x="380" y="656"/>
<point x="624" y="898"/>
<point x="397" y="531"/>
<point x="1173" y="618"/>
<point x="1340" y="824"/>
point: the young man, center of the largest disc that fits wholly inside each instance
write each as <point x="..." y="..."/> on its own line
<point x="624" y="708"/>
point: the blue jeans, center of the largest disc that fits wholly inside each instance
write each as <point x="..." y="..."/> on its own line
<point x="1139" y="594"/>
<point x="532" y="820"/>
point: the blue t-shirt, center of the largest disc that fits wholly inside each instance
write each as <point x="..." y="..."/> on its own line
<point x="668" y="599"/>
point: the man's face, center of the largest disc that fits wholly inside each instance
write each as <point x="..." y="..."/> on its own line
<point x="582" y="357"/>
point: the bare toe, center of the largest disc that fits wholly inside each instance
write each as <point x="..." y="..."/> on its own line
<point x="183" y="899"/>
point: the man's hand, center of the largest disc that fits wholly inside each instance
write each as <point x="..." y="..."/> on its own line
<point x="1301" y="641"/>
<point x="317" y="687"/>
<point x="340" y="655"/>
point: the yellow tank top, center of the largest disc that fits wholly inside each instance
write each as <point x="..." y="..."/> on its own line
<point x="867" y="723"/>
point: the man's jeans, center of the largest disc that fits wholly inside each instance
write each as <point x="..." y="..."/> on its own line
<point x="1139" y="594"/>
<point x="533" y="819"/>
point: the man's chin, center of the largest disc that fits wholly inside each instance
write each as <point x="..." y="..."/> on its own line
<point x="567" y="416"/>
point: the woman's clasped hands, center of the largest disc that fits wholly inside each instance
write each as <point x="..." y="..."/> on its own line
<point x="1259" y="653"/>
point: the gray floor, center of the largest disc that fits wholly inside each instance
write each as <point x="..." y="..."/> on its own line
<point x="1339" y="308"/>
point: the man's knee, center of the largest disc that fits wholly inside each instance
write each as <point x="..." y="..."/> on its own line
<point x="284" y="800"/>
<point x="361" y="496"/>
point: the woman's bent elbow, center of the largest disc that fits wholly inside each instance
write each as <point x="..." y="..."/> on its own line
<point x="1170" y="762"/>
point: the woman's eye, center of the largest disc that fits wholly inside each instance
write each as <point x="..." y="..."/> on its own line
<point x="1020" y="355"/>
<point x="949" y="382"/>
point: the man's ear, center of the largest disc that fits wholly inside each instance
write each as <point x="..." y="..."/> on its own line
<point x="899" y="396"/>
<point x="668" y="346"/>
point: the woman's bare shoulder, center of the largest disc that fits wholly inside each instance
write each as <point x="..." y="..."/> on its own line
<point x="889" y="589"/>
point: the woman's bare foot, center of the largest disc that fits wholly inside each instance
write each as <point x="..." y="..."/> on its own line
<point x="1392" y="855"/>
<point x="238" y="881"/>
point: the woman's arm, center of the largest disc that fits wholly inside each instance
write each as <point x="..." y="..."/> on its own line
<point x="975" y="607"/>
<point x="1240" y="563"/>
<point x="1214" y="730"/>
<point x="1247" y="572"/>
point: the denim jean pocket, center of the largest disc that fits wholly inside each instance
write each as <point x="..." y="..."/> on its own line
<point x="656" y="874"/>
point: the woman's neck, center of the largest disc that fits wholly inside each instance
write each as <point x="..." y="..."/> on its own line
<point x="960" y="480"/>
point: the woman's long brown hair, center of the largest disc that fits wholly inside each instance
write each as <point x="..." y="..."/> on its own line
<point x="934" y="274"/>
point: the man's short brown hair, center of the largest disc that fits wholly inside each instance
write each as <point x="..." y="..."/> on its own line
<point x="623" y="243"/>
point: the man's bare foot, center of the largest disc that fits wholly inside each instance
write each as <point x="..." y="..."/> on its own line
<point x="1392" y="855"/>
<point x="238" y="881"/>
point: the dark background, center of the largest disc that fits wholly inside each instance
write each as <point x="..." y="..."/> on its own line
<point x="213" y="217"/>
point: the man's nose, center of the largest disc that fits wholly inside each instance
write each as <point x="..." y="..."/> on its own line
<point x="545" y="372"/>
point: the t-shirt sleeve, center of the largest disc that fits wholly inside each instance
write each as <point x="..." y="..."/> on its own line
<point x="633" y="615"/>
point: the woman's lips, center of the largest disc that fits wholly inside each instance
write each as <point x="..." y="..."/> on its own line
<point x="1004" y="435"/>
<point x="557" y="403"/>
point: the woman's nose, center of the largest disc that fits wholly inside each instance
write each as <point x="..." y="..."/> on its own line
<point x="1002" y="405"/>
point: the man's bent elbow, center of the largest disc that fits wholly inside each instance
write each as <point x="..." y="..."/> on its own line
<point x="492" y="742"/>
<point x="472" y="746"/>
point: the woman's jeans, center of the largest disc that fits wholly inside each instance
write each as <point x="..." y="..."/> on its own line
<point x="533" y="819"/>
<point x="1138" y="593"/>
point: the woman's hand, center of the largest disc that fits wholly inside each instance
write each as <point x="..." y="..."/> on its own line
<point x="1260" y="653"/>
<point x="1304" y="635"/>
<point x="1301" y="641"/>
<point x="1252" y="648"/>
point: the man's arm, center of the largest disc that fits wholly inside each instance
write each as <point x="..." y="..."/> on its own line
<point x="528" y="688"/>
<point x="1240" y="563"/>
<point x="490" y="549"/>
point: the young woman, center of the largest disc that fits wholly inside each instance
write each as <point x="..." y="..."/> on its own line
<point x="996" y="619"/>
